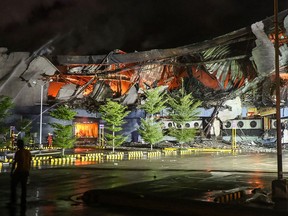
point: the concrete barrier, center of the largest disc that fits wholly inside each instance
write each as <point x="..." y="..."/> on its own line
<point x="154" y="154"/>
<point x="229" y="197"/>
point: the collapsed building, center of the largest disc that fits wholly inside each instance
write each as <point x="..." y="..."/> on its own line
<point x="233" y="75"/>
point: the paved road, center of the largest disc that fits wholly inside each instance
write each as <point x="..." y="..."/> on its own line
<point x="55" y="191"/>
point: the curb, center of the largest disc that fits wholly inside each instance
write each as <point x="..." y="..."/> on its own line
<point x="171" y="205"/>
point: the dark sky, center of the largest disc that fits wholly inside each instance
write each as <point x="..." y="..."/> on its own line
<point x="100" y="26"/>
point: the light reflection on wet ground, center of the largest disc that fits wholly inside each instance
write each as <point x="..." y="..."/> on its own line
<point x="51" y="190"/>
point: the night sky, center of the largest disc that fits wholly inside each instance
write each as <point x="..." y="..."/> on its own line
<point x="100" y="26"/>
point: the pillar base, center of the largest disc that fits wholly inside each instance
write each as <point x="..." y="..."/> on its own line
<point x="279" y="190"/>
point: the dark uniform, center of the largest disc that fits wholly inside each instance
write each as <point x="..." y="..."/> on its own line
<point x="20" y="172"/>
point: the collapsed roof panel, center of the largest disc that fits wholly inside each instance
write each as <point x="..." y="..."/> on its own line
<point x="264" y="52"/>
<point x="39" y="66"/>
<point x="66" y="92"/>
<point x="217" y="69"/>
<point x="131" y="97"/>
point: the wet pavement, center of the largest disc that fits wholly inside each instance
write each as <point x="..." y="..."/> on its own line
<point x="196" y="177"/>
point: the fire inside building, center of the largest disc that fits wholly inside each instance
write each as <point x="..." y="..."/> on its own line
<point x="233" y="75"/>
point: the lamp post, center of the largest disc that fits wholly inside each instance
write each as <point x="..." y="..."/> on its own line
<point x="278" y="115"/>
<point x="279" y="186"/>
<point x="41" y="115"/>
<point x="41" y="84"/>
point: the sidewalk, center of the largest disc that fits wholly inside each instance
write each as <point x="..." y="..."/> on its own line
<point x="176" y="199"/>
<point x="181" y="185"/>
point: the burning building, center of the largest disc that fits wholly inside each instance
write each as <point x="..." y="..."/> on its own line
<point x="238" y="66"/>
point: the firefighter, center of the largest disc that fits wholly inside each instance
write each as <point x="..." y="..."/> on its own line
<point x="31" y="141"/>
<point x="13" y="141"/>
<point x="49" y="140"/>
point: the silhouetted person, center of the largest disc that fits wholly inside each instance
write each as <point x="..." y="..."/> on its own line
<point x="20" y="172"/>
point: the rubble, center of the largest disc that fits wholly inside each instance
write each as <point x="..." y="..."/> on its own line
<point x="260" y="196"/>
<point x="244" y="146"/>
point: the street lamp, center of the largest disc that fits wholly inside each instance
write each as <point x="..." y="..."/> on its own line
<point x="279" y="186"/>
<point x="41" y="84"/>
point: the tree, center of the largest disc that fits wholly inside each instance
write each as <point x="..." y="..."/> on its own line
<point x="63" y="113"/>
<point x="113" y="114"/>
<point x="6" y="105"/>
<point x="150" y="130"/>
<point x="25" y="126"/>
<point x="155" y="101"/>
<point x="183" y="108"/>
<point x="63" y="135"/>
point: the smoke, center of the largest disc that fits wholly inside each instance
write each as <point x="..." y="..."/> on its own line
<point x="99" y="26"/>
